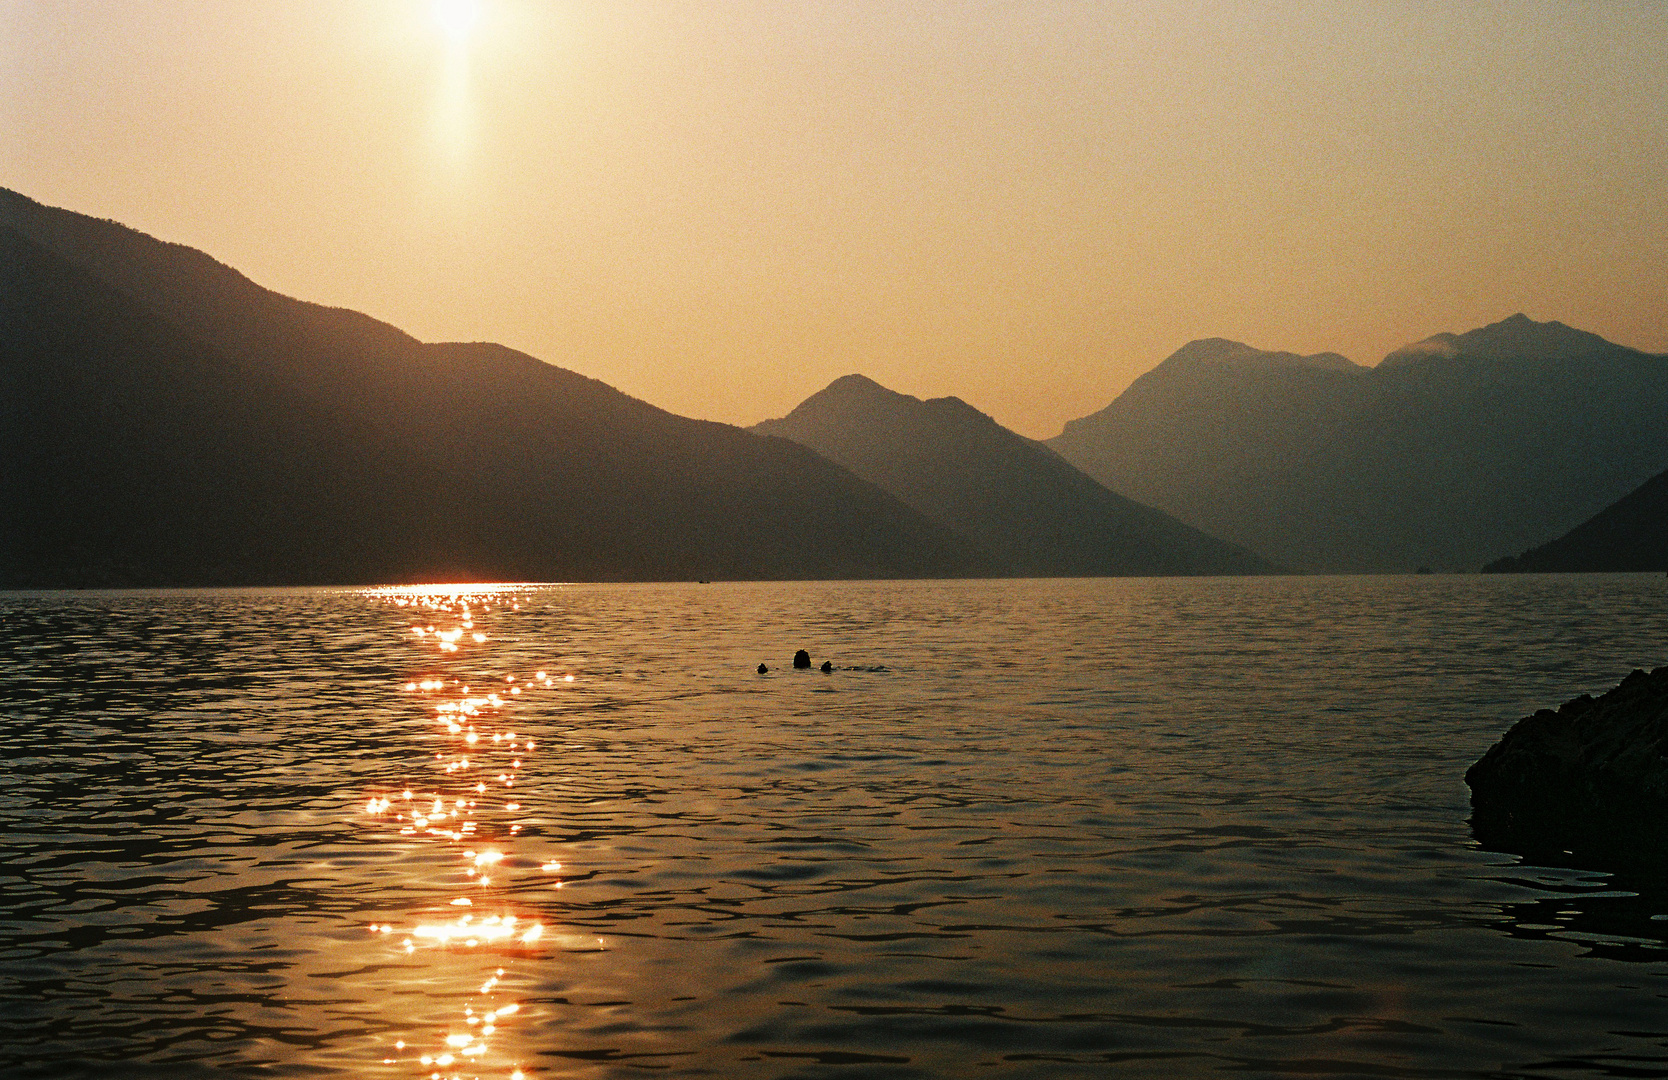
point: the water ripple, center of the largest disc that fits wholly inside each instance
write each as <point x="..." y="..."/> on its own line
<point x="1024" y="828"/>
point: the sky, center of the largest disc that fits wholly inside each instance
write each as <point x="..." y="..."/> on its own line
<point x="720" y="207"/>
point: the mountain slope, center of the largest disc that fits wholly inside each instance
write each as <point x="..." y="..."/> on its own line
<point x="1449" y="452"/>
<point x="1015" y="498"/>
<point x="165" y="421"/>
<point x="1628" y="535"/>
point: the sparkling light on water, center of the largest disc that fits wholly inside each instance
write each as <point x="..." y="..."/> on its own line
<point x="1028" y="830"/>
<point x="474" y="738"/>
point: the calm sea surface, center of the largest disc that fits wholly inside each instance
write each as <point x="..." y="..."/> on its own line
<point x="1170" y="827"/>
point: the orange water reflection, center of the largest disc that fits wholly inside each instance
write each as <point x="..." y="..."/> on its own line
<point x="479" y="751"/>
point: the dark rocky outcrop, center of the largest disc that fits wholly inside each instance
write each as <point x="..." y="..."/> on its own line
<point x="1592" y="773"/>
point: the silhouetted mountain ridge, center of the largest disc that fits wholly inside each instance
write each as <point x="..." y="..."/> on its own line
<point x="190" y="288"/>
<point x="1220" y="354"/>
<point x="167" y="421"/>
<point x="1014" y="497"/>
<point x="1454" y="449"/>
<point x="1630" y="535"/>
<point x="1516" y="338"/>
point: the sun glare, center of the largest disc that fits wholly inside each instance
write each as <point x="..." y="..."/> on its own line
<point x="456" y="18"/>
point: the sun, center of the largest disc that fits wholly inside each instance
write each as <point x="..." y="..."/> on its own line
<point x="456" y="18"/>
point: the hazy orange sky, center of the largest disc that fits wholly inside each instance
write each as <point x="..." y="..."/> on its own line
<point x="721" y="207"/>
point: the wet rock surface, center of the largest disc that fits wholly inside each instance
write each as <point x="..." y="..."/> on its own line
<point x="1592" y="773"/>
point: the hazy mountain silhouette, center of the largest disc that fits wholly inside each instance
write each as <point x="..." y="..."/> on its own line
<point x="1016" y="498"/>
<point x="163" y="420"/>
<point x="1452" y="450"/>
<point x="1628" y="535"/>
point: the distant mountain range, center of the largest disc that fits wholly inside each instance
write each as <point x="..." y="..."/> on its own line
<point x="1014" y="498"/>
<point x="163" y="420"/>
<point x="1629" y="535"/>
<point x="1450" y="452"/>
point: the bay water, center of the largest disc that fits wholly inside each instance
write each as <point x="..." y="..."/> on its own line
<point x="1131" y="827"/>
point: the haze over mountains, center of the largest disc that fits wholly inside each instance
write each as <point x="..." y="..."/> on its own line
<point x="1015" y="498"/>
<point x="1452" y="452"/>
<point x="163" y="420"/>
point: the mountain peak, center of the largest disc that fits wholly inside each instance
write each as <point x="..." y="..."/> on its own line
<point x="857" y="384"/>
<point x="854" y="380"/>
<point x="851" y="393"/>
<point x="1223" y="354"/>
<point x="1008" y="495"/>
<point x="1212" y="350"/>
<point x="1512" y="338"/>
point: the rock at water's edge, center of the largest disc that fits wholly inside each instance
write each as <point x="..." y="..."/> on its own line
<point x="1596" y="768"/>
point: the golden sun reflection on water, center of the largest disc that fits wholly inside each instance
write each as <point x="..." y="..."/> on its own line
<point x="479" y="752"/>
